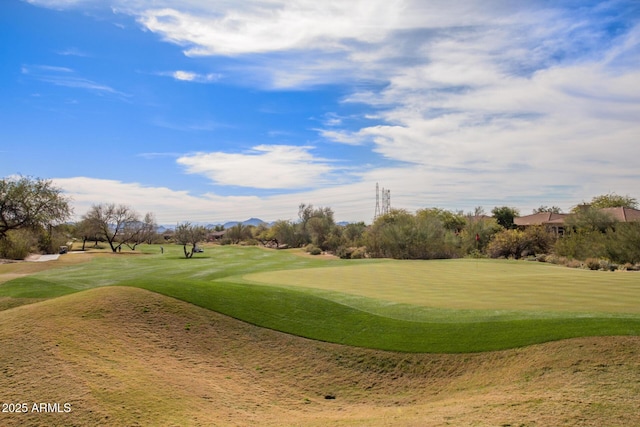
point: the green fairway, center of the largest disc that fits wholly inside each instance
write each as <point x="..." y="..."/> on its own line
<point x="416" y="306"/>
<point x="492" y="286"/>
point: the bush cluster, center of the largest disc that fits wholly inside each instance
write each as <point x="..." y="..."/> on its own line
<point x="18" y="244"/>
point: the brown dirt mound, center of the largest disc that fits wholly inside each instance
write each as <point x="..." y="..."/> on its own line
<point x="125" y="356"/>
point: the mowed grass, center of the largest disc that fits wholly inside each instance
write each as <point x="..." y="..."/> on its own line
<point x="453" y="306"/>
<point x="439" y="288"/>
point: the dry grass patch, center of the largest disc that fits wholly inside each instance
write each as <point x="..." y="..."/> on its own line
<point x="125" y="356"/>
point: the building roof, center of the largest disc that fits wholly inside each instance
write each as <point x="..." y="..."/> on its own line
<point x="541" y="218"/>
<point x="623" y="214"/>
<point x="548" y="218"/>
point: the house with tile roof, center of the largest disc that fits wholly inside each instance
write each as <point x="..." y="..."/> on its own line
<point x="554" y="222"/>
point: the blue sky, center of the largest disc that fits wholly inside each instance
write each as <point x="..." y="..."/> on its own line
<point x="208" y="111"/>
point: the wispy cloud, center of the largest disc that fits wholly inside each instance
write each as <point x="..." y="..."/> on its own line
<point x="67" y="77"/>
<point x="72" y="51"/>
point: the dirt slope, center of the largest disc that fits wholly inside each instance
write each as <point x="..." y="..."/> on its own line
<point x="125" y="356"/>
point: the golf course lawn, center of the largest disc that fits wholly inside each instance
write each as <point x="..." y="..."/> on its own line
<point x="495" y="287"/>
<point x="444" y="306"/>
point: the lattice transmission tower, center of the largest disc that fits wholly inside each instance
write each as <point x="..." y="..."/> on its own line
<point x="386" y="202"/>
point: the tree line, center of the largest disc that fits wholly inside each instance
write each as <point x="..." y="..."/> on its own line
<point x="33" y="211"/>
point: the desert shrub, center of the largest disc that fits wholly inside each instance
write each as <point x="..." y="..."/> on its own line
<point x="344" y="252"/>
<point x="50" y="243"/>
<point x="516" y="243"/>
<point x="623" y="244"/>
<point x="477" y="234"/>
<point x="537" y="240"/>
<point x="18" y="244"/>
<point x="582" y="245"/>
<point x="401" y="235"/>
<point x="574" y="263"/>
<point x="312" y="249"/>
<point x="592" y="263"/>
<point x="507" y="243"/>
<point x="630" y="267"/>
<point x="555" y="259"/>
<point x="351" y="252"/>
<point x="541" y="257"/>
<point x="608" y="266"/>
<point x="476" y="254"/>
<point x="359" y="253"/>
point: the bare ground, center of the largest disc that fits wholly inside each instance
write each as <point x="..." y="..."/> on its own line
<point x="125" y="356"/>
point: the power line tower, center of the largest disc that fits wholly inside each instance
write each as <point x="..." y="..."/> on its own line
<point x="386" y="202"/>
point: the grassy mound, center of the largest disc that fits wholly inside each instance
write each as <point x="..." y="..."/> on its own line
<point x="125" y="356"/>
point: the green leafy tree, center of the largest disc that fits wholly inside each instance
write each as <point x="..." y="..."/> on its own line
<point x="239" y="232"/>
<point x="477" y="233"/>
<point x="315" y="225"/>
<point x="453" y="221"/>
<point x="590" y="218"/>
<point x="386" y="238"/>
<point x="504" y="215"/>
<point x="623" y="246"/>
<point x="284" y="234"/>
<point x="543" y="208"/>
<point x="586" y="234"/>
<point x="401" y="235"/>
<point x="30" y="203"/>
<point x="613" y="200"/>
<point x="353" y="234"/>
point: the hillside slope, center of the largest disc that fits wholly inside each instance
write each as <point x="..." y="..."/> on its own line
<point x="125" y="356"/>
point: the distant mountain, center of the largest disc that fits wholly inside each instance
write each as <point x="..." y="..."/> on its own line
<point x="251" y="221"/>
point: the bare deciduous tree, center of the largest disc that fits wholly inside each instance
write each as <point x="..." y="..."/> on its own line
<point x="189" y="234"/>
<point x="140" y="231"/>
<point x="114" y="222"/>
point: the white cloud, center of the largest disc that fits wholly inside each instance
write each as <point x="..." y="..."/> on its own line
<point x="194" y="77"/>
<point x="251" y="27"/>
<point x="172" y="206"/>
<point x="169" y="206"/>
<point x="264" y="167"/>
<point x="342" y="136"/>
